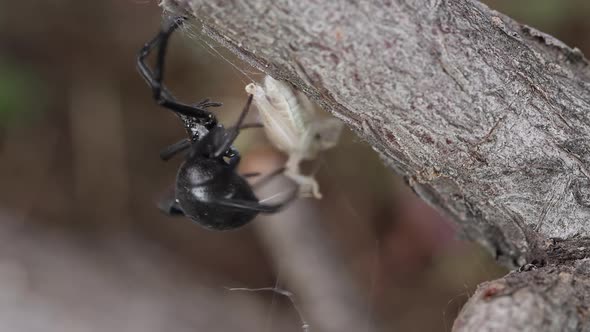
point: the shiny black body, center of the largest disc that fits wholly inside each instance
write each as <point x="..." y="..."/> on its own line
<point x="208" y="189"/>
<point x="202" y="181"/>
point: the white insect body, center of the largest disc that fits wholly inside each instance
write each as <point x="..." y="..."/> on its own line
<point x="294" y="125"/>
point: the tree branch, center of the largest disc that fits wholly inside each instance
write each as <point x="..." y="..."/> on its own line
<point x="547" y="299"/>
<point x="486" y="118"/>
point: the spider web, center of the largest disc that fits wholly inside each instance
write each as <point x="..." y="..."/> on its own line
<point x="192" y="32"/>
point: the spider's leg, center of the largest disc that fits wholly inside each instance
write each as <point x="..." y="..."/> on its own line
<point x="207" y="103"/>
<point x="265" y="178"/>
<point x="250" y="175"/>
<point x="251" y="125"/>
<point x="268" y="177"/>
<point x="234" y="160"/>
<point x="174" y="149"/>
<point x="154" y="78"/>
<point x="233" y="132"/>
<point x="232" y="153"/>
<point x="169" y="206"/>
<point x="240" y="204"/>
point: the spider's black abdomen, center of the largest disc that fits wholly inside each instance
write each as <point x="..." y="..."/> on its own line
<point x="202" y="182"/>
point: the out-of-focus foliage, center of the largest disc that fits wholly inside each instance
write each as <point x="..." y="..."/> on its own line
<point x="21" y="93"/>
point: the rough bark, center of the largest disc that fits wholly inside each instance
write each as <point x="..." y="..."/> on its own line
<point x="485" y="117"/>
<point x="545" y="299"/>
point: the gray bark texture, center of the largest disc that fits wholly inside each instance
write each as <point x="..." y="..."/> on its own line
<point x="545" y="299"/>
<point x="486" y="118"/>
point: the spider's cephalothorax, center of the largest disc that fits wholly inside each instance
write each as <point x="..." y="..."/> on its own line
<point x="208" y="189"/>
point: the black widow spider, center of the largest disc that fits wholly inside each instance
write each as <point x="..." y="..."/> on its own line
<point x="208" y="189"/>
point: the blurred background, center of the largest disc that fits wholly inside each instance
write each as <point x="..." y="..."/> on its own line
<point x="83" y="247"/>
